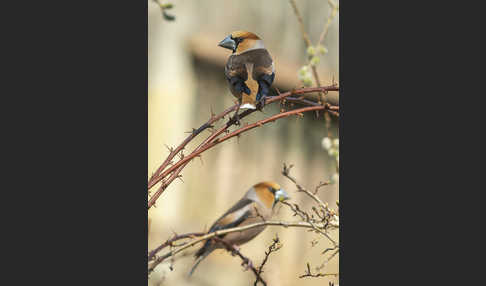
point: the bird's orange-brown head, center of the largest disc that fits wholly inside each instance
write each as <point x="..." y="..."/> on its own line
<point x="241" y="41"/>
<point x="270" y="193"/>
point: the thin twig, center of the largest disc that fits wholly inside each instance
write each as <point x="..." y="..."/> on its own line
<point x="325" y="30"/>
<point x="308" y="273"/>
<point x="272" y="248"/>
<point x="327" y="260"/>
<point x="172" y="240"/>
<point x="246" y="260"/>
<point x="308" y="43"/>
<point x="304" y="215"/>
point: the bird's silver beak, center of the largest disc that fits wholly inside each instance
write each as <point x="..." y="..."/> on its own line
<point x="228" y="43"/>
<point x="281" y="195"/>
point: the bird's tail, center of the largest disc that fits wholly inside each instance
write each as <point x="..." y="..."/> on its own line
<point x="247" y="101"/>
<point x="198" y="260"/>
<point x="247" y="106"/>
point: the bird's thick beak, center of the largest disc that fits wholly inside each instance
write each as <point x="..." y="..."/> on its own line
<point x="282" y="195"/>
<point x="228" y="43"/>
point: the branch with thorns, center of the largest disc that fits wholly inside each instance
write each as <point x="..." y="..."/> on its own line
<point x="169" y="171"/>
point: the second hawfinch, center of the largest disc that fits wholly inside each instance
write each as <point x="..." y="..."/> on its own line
<point x="257" y="205"/>
<point x="249" y="70"/>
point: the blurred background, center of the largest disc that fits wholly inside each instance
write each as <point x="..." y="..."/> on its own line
<point x="185" y="82"/>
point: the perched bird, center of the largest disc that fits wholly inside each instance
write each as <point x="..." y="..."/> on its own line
<point x="257" y="205"/>
<point x="249" y="70"/>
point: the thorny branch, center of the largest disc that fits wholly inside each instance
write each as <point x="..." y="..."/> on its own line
<point x="194" y="133"/>
<point x="167" y="175"/>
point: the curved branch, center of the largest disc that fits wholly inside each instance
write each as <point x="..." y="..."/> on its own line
<point x="194" y="133"/>
<point x="217" y="141"/>
<point x="160" y="259"/>
<point x="172" y="240"/>
<point x="212" y="140"/>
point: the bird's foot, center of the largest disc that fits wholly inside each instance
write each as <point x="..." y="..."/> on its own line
<point x="235" y="249"/>
<point x="248" y="264"/>
<point x="236" y="119"/>
<point x="261" y="102"/>
<point x="236" y="116"/>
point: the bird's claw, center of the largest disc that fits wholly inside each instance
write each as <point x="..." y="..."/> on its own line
<point x="248" y="264"/>
<point x="235" y="249"/>
<point x="236" y="119"/>
<point x="261" y="102"/>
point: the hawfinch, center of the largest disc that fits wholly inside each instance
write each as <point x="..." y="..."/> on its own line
<point x="249" y="70"/>
<point x="257" y="205"/>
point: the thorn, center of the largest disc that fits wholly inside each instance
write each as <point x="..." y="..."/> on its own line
<point x="169" y="148"/>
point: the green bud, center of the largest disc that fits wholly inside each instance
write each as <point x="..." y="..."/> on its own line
<point x="334" y="12"/>
<point x="311" y="51"/>
<point x="315" y="61"/>
<point x="307" y="81"/>
<point x="303" y="71"/>
<point x="326" y="143"/>
<point x="322" y="50"/>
